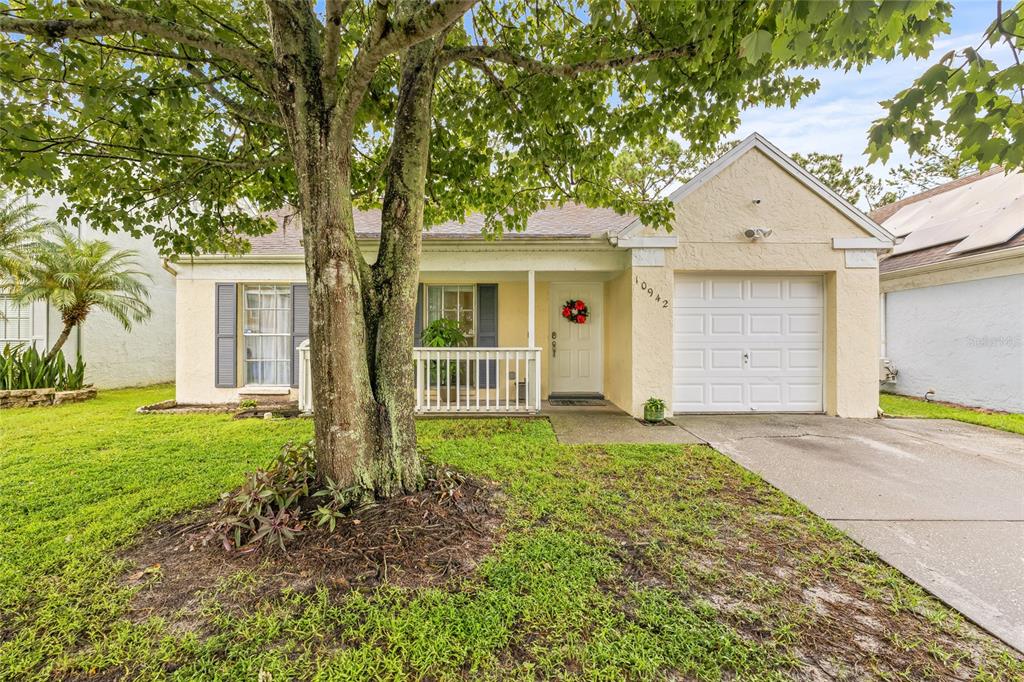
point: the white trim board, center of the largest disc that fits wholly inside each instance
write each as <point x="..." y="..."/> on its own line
<point x="756" y="141"/>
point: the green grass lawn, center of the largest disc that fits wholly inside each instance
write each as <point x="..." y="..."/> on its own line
<point x="615" y="562"/>
<point x="902" y="406"/>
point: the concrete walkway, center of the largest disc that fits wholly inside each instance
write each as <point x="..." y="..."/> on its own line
<point x="940" y="500"/>
<point x="608" y="424"/>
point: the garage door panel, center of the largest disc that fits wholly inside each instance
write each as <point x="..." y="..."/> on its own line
<point x="808" y="291"/>
<point x="767" y="289"/>
<point x="724" y="291"/>
<point x="690" y="323"/>
<point x="807" y="394"/>
<point x="692" y="359"/>
<point x="762" y="395"/>
<point x="726" y="358"/>
<point x="749" y="343"/>
<point x="726" y="324"/>
<point x="766" y="358"/>
<point x="762" y="324"/>
<point x="804" y="324"/>
<point x="726" y="395"/>
<point x="803" y="358"/>
<point x="688" y="394"/>
<point x="689" y="292"/>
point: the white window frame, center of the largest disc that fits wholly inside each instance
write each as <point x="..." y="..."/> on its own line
<point x="461" y="288"/>
<point x="245" y="334"/>
<point x="25" y="313"/>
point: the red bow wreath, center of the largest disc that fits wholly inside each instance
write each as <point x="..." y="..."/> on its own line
<point x="575" y="311"/>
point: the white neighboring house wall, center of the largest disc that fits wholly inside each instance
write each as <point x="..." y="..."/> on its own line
<point x="962" y="340"/>
<point x="115" y="357"/>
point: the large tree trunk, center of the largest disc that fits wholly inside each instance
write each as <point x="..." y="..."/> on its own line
<point x="391" y="301"/>
<point x="361" y="317"/>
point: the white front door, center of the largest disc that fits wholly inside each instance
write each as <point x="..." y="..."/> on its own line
<point x="747" y="343"/>
<point x="575" y="350"/>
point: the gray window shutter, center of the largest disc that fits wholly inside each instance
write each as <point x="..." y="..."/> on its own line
<point x="417" y="339"/>
<point x="226" y="355"/>
<point x="487" y="331"/>
<point x="300" y="325"/>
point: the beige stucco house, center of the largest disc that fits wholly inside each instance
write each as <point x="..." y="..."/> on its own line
<point x="763" y="298"/>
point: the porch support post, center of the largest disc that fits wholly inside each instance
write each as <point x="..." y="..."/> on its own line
<point x="531" y="332"/>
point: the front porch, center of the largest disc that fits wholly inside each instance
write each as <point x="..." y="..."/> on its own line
<point x="462" y="380"/>
<point x="521" y="348"/>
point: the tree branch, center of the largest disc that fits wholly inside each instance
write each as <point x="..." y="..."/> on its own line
<point x="233" y="106"/>
<point x="383" y="39"/>
<point x="62" y="143"/>
<point x="114" y="20"/>
<point x="530" y="65"/>
<point x="170" y="30"/>
<point x="332" y="41"/>
<point x="424" y="23"/>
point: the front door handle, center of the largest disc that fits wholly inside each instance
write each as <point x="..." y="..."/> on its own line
<point x="554" y="348"/>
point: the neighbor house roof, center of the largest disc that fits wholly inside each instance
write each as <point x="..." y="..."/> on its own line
<point x="570" y="221"/>
<point x="975" y="214"/>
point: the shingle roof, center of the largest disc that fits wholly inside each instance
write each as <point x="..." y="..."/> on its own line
<point x="570" y="221"/>
<point x="976" y="214"/>
<point x="883" y="213"/>
<point x="938" y="254"/>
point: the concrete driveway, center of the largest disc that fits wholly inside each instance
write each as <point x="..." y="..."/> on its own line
<point x="940" y="500"/>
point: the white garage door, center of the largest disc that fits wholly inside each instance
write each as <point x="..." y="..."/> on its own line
<point x="747" y="343"/>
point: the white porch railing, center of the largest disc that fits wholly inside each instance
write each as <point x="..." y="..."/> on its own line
<point x="477" y="380"/>
<point x="462" y="380"/>
<point x="305" y="383"/>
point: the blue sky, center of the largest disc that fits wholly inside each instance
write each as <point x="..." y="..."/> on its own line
<point x="836" y="119"/>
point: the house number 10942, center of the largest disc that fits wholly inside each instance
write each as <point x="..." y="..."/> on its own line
<point x="651" y="292"/>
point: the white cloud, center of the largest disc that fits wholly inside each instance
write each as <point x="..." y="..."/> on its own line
<point x="837" y="118"/>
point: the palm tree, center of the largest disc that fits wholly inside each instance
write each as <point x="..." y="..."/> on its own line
<point x="19" y="230"/>
<point x="79" y="275"/>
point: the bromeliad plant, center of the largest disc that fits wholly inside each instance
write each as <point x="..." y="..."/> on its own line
<point x="22" y="367"/>
<point x="276" y="504"/>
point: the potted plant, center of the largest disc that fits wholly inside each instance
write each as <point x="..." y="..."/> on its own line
<point x="654" y="410"/>
<point x="443" y="333"/>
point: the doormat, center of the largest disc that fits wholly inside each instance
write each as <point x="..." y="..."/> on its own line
<point x="577" y="402"/>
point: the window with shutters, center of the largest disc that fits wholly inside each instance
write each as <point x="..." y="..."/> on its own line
<point x="266" y="334"/>
<point x="15" y="321"/>
<point x="454" y="302"/>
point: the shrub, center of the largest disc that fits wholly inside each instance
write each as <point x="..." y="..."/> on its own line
<point x="247" y="404"/>
<point x="275" y="504"/>
<point x="443" y="333"/>
<point x="653" y="403"/>
<point x="23" y="367"/>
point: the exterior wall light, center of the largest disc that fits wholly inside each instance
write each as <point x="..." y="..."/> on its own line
<point x="757" y="233"/>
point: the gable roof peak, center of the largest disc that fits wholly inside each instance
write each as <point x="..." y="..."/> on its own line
<point x="757" y="141"/>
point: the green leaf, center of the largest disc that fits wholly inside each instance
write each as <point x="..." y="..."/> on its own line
<point x="818" y="10"/>
<point x="756" y="45"/>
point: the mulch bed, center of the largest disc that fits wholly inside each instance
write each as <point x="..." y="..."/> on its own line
<point x="278" y="408"/>
<point x="424" y="539"/>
